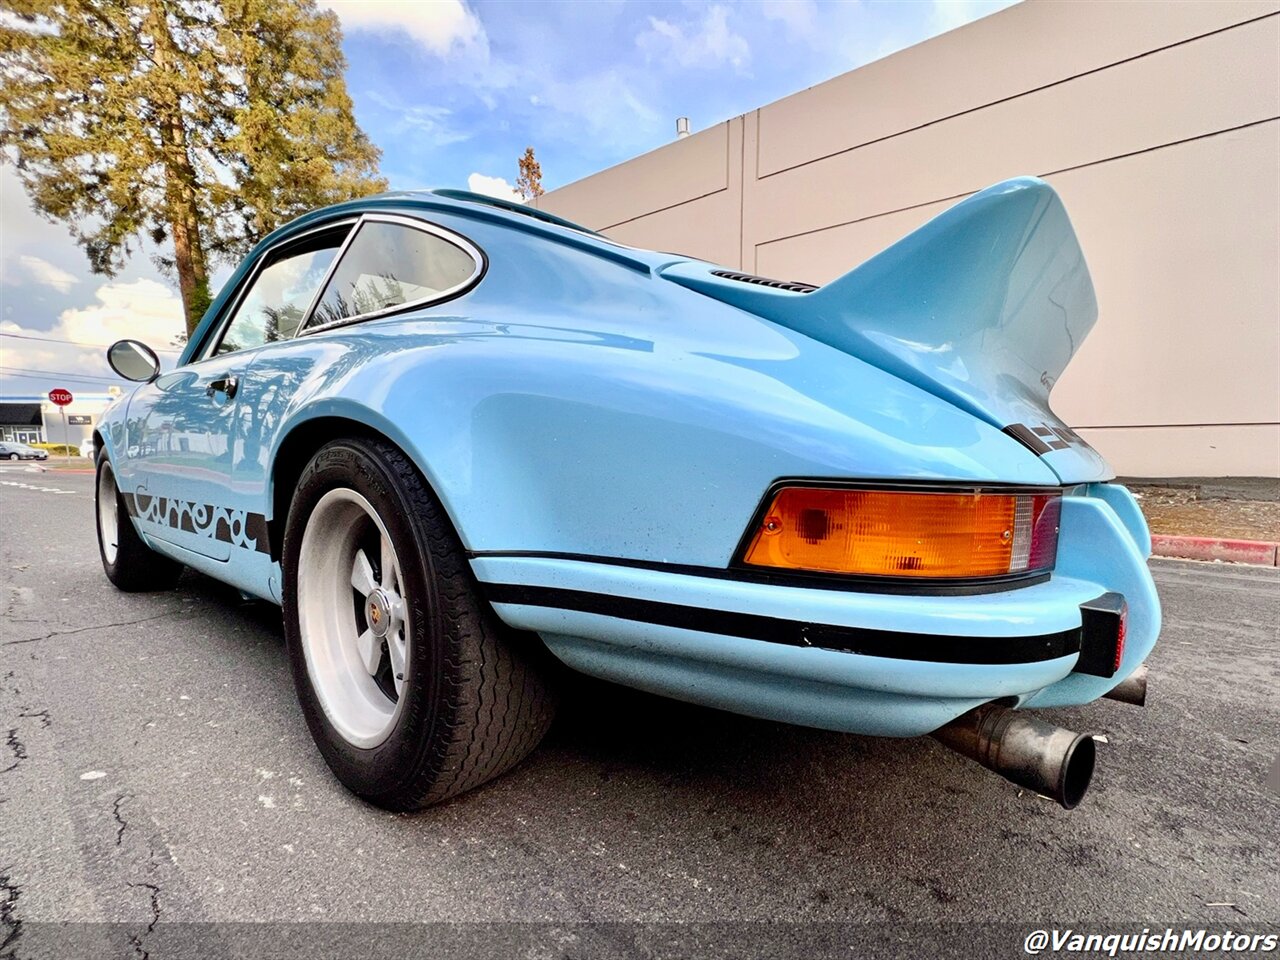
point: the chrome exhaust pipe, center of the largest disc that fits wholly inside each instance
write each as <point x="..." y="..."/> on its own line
<point x="1132" y="689"/>
<point x="1053" y="762"/>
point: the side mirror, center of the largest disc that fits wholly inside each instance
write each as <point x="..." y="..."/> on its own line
<point x="134" y="360"/>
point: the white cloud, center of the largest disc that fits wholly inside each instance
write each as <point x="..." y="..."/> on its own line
<point x="796" y="15"/>
<point x="493" y="187"/>
<point x="435" y="123"/>
<point x="442" y="26"/>
<point x="142" y="309"/>
<point x="604" y="106"/>
<point x="706" y="44"/>
<point x="15" y="22"/>
<point x="44" y="273"/>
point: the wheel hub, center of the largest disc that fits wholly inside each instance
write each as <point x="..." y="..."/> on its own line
<point x="380" y="611"/>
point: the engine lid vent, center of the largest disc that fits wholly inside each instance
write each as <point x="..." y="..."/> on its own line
<point x="795" y="286"/>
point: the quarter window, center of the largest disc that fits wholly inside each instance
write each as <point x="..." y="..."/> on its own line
<point x="280" y="294"/>
<point x="388" y="265"/>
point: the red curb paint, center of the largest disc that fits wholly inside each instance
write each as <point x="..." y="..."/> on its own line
<point x="1211" y="548"/>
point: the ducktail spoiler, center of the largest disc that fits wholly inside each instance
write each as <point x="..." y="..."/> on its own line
<point x="983" y="306"/>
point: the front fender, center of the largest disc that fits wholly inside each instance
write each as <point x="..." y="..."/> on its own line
<point x="112" y="429"/>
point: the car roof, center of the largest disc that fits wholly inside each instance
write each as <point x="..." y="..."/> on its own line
<point x="462" y="203"/>
<point x="526" y="219"/>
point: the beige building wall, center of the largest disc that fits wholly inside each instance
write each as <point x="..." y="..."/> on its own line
<point x="1157" y="122"/>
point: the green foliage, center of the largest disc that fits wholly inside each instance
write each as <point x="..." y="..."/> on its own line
<point x="57" y="449"/>
<point x="200" y="124"/>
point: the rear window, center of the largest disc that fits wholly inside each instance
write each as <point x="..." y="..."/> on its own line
<point x="389" y="265"/>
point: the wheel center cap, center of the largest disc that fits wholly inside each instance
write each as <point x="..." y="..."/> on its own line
<point x="378" y="610"/>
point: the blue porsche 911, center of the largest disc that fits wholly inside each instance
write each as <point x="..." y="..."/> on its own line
<point x="459" y="439"/>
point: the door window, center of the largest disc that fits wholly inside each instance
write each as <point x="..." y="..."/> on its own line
<point x="389" y="265"/>
<point x="279" y="295"/>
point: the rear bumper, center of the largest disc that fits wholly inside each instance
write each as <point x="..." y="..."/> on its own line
<point x="888" y="664"/>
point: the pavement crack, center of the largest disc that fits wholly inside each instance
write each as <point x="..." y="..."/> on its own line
<point x="42" y="715"/>
<point x="10" y="923"/>
<point x="136" y="939"/>
<point x="122" y="823"/>
<point x="96" y="626"/>
<point x="17" y="747"/>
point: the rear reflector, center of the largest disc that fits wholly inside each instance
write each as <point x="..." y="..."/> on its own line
<point x="1104" y="621"/>
<point x="911" y="533"/>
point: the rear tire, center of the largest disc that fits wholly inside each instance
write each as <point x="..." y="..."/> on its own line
<point x="445" y="697"/>
<point x="129" y="563"/>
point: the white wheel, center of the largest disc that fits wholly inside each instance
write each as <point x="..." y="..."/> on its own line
<point x="352" y="614"/>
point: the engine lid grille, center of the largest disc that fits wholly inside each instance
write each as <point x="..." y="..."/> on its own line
<point x="795" y="286"/>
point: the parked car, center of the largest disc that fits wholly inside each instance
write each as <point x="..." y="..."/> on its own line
<point x="12" y="450"/>
<point x="451" y="435"/>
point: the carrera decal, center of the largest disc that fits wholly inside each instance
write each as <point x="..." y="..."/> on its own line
<point x="239" y="528"/>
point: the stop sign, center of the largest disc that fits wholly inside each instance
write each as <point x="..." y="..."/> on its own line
<point x="60" y="397"/>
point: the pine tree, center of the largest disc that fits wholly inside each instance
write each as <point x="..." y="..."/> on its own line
<point x="199" y="124"/>
<point x="529" y="175"/>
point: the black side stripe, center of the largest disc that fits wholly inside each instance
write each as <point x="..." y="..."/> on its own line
<point x="870" y="643"/>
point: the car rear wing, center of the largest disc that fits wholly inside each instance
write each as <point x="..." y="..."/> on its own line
<point x="983" y="306"/>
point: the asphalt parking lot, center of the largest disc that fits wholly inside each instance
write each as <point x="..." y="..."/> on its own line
<point x="156" y="767"/>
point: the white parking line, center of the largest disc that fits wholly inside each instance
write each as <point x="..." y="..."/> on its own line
<point x="32" y="486"/>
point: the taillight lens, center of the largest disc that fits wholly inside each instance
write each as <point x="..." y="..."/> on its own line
<point x="907" y="533"/>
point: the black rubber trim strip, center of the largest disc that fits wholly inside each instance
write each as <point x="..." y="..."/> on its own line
<point x="922" y="587"/>
<point x="869" y="643"/>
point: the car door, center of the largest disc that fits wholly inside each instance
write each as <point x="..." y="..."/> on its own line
<point x="183" y="434"/>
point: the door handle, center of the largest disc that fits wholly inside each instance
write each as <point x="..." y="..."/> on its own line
<point x="227" y="385"/>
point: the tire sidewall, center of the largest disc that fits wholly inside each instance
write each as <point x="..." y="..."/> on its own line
<point x="374" y="771"/>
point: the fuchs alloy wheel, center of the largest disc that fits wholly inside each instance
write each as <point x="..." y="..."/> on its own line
<point x="412" y="689"/>
<point x="129" y="563"/>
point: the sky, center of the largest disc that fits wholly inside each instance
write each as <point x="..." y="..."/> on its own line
<point x="452" y="91"/>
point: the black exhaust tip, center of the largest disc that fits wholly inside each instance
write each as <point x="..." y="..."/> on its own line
<point x="1131" y="690"/>
<point x="1077" y="771"/>
<point x="1049" y="760"/>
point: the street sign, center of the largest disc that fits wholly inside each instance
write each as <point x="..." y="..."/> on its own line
<point x="61" y="398"/>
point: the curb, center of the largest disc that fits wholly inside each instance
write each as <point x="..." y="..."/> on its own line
<point x="1256" y="552"/>
<point x="71" y="470"/>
